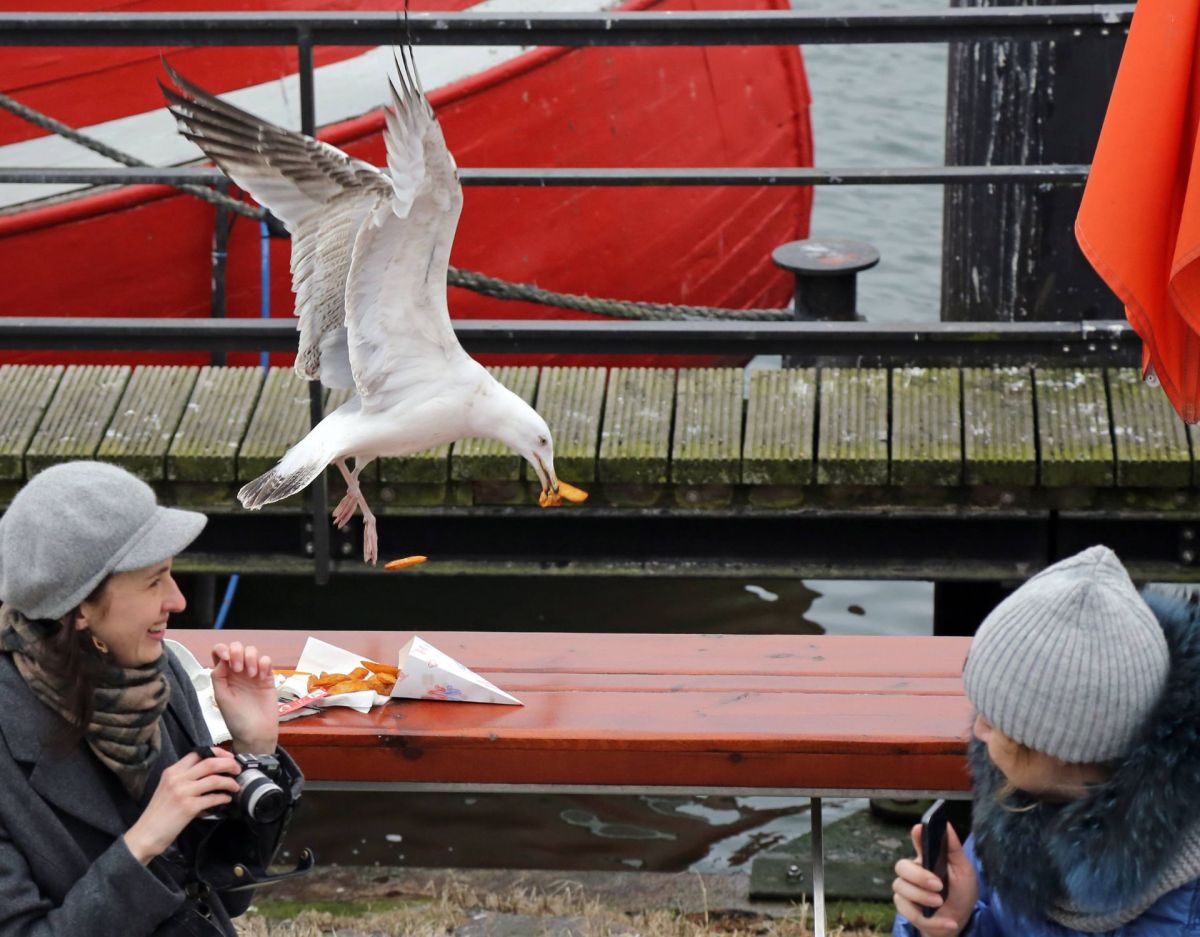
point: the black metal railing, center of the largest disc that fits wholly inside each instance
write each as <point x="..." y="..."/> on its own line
<point x="858" y="343"/>
<point x="548" y="177"/>
<point x="729" y="28"/>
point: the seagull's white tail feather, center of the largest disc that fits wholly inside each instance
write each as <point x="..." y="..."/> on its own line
<point x="299" y="466"/>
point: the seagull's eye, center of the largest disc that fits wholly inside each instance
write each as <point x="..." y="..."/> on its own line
<point x="542" y="440"/>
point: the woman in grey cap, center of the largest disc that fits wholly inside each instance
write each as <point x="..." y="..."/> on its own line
<point x="98" y="723"/>
<point x="1085" y="763"/>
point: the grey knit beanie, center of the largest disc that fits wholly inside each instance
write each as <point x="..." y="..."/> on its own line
<point x="74" y="524"/>
<point x="1072" y="662"/>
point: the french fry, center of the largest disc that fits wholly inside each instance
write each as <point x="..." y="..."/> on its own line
<point x="293" y="673"/>
<point x="359" y="673"/>
<point x="376" y="667"/>
<point x="552" y="499"/>
<point x="405" y="562"/>
<point x="326" y="680"/>
<point x="381" y="686"/>
<point x="349" y="686"/>
<point x="571" y="493"/>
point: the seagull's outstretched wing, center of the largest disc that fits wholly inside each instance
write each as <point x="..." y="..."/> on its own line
<point x="396" y="313"/>
<point x="319" y="192"/>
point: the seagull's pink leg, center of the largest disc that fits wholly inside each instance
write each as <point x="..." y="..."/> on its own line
<point x="370" y="538"/>
<point x="345" y="508"/>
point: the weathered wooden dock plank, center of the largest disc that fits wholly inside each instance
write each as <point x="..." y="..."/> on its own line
<point x="1074" y="438"/>
<point x="487" y="459"/>
<point x="1152" y="447"/>
<point x="74" y="423"/>
<point x="25" y="393"/>
<point x="571" y="401"/>
<point x="852" y="445"/>
<point x="214" y="421"/>
<point x="780" y="419"/>
<point x="706" y="446"/>
<point x="428" y="467"/>
<point x="146" y="418"/>
<point x="636" y="437"/>
<point x="280" y="420"/>
<point x="999" y="441"/>
<point x="926" y="426"/>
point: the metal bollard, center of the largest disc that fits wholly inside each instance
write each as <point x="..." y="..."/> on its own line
<point x="826" y="271"/>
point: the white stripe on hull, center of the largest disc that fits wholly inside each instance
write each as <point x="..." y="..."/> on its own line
<point x="344" y="90"/>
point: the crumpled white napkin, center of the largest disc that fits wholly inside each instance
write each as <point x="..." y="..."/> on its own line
<point x="201" y="678"/>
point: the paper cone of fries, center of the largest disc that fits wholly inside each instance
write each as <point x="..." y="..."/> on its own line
<point x="427" y="673"/>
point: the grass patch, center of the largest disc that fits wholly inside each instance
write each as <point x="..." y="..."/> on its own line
<point x="565" y="909"/>
<point x="287" y="910"/>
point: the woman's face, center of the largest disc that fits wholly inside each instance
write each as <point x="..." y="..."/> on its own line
<point x="130" y="614"/>
<point x="1035" y="772"/>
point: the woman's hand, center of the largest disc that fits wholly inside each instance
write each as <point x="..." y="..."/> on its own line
<point x="244" y="687"/>
<point x="190" y="787"/>
<point x="916" y="887"/>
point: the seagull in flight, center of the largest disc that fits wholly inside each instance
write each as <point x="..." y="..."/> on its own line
<point x="370" y="251"/>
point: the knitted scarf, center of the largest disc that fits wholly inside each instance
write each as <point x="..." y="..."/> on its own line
<point x="127" y="703"/>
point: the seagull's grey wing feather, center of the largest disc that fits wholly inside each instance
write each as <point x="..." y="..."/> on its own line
<point x="397" y="319"/>
<point x="322" y="248"/>
<point x="319" y="192"/>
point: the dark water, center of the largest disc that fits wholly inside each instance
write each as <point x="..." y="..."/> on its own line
<point x="436" y="603"/>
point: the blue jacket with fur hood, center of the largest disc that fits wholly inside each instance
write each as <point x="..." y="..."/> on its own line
<point x="1123" y="860"/>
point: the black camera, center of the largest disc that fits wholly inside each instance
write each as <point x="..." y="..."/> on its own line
<point x="231" y="847"/>
<point x="259" y="797"/>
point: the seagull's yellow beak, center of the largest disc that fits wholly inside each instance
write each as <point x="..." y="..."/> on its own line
<point x="547" y="477"/>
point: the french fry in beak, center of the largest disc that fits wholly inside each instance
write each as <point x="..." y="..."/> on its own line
<point x="571" y="493"/>
<point x="552" y="499"/>
<point x="405" y="562"/>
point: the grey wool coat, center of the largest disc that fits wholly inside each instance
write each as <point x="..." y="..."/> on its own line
<point x="64" y="868"/>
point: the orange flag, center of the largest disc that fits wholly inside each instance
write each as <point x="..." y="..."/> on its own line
<point x="1139" y="224"/>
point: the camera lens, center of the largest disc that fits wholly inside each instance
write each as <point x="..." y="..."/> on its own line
<point x="260" y="798"/>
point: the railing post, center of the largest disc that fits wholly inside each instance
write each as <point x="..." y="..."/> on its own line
<point x="318" y="495"/>
<point x="222" y="223"/>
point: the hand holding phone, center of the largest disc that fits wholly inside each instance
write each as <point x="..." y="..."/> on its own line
<point x="934" y="847"/>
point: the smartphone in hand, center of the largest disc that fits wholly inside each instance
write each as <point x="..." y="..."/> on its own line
<point x="933" y="846"/>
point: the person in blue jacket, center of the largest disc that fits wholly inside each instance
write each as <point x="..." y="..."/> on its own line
<point x="1085" y="764"/>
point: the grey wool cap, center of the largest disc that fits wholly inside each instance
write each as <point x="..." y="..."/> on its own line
<point x="1072" y="662"/>
<point x="74" y="524"/>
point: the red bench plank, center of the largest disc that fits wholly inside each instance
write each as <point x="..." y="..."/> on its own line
<point x="782" y="655"/>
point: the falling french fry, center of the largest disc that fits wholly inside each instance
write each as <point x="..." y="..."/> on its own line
<point x="405" y="562"/>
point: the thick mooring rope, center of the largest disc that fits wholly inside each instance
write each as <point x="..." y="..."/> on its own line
<point x="467" y="279"/>
<point x="626" y="309"/>
<point x="96" y="146"/>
